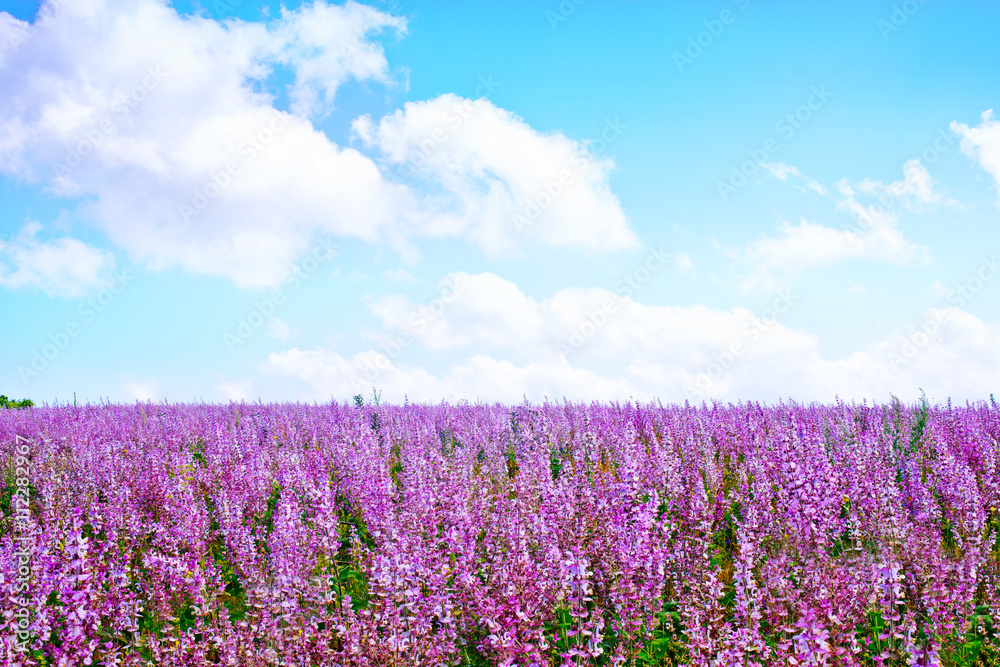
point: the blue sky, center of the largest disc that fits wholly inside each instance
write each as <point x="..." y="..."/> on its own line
<point x="234" y="200"/>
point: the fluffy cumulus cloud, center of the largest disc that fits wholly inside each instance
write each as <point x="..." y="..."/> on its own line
<point x="502" y="179"/>
<point x="325" y="46"/>
<point x="982" y="142"/>
<point x="62" y="267"/>
<point x="580" y="344"/>
<point x="164" y="128"/>
<point x="808" y="244"/>
<point x="873" y="236"/>
<point x="153" y="119"/>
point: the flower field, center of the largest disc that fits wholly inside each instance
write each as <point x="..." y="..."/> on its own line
<point x="555" y="534"/>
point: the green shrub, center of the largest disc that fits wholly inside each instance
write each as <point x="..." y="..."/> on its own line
<point x="10" y="403"/>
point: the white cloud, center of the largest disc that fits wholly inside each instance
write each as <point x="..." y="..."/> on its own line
<point x="810" y="244"/>
<point x="160" y="126"/>
<point x="959" y="357"/>
<point x="916" y="186"/>
<point x="782" y="171"/>
<point x="327" y="373"/>
<point x="644" y="351"/>
<point x="483" y="308"/>
<point x="399" y="276"/>
<point x="982" y="142"/>
<point x="141" y="391"/>
<point x="875" y="235"/>
<point x="325" y="45"/>
<point x="278" y="329"/>
<point x="502" y="178"/>
<point x="147" y="110"/>
<point x="61" y="267"/>
<point x="234" y="390"/>
<point x="684" y="263"/>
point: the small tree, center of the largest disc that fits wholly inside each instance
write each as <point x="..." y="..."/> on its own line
<point x="11" y="404"/>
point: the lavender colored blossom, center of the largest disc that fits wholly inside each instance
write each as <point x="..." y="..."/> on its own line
<point x="553" y="534"/>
